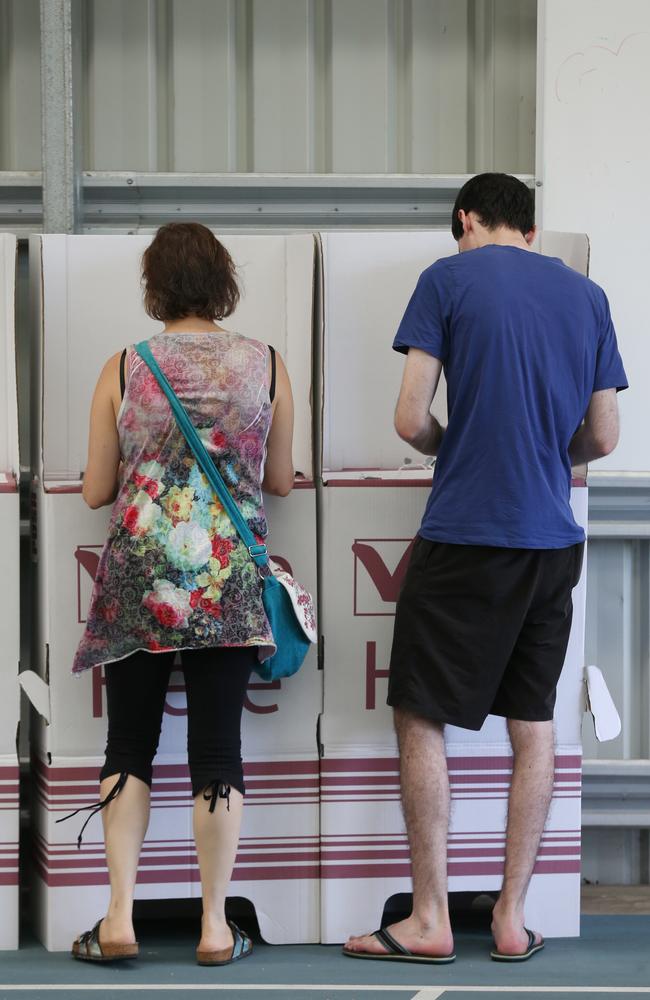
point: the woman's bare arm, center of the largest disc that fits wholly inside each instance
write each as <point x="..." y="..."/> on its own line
<point x="278" y="470"/>
<point x="100" y="480"/>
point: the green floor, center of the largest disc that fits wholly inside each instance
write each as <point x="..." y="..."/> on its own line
<point x="612" y="958"/>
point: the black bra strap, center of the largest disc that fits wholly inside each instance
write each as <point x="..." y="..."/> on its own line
<point x="272" y="387"/>
<point x="122" y="381"/>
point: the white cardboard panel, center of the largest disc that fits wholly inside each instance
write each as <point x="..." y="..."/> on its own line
<point x="278" y="736"/>
<point x="368" y="279"/>
<point x="9" y="515"/>
<point x="9" y="833"/>
<point x="367" y="527"/>
<point x="367" y="531"/>
<point x="572" y="248"/>
<point x="9" y="620"/>
<point x="281" y="817"/>
<point x="92" y="308"/>
<point x="279" y="719"/>
<point x="364" y="851"/>
<point x="9" y="462"/>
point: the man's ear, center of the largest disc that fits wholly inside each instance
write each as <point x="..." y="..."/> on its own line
<point x="530" y="236"/>
<point x="464" y="220"/>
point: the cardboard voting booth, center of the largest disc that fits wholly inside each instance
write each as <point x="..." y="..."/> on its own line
<point x="87" y="303"/>
<point x="368" y="521"/>
<point x="9" y="601"/>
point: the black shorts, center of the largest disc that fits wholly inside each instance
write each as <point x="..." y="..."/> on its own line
<point x="481" y="630"/>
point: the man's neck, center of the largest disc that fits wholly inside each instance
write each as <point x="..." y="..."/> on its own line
<point x="504" y="237"/>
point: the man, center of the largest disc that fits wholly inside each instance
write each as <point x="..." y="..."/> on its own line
<point x="483" y="620"/>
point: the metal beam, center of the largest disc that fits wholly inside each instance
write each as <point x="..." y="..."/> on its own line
<point x="616" y="793"/>
<point x="60" y="91"/>
<point x="129" y="202"/>
<point x="619" y="504"/>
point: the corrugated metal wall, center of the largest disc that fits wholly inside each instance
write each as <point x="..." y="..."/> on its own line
<point x="20" y="85"/>
<point x="274" y="86"/>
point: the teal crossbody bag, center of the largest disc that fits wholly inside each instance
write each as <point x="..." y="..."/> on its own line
<point x="289" y="607"/>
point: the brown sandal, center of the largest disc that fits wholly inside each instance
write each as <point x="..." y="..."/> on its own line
<point x="242" y="946"/>
<point x="88" y="949"/>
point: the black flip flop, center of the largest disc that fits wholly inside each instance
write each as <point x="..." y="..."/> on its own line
<point x="87" y="948"/>
<point x="396" y="952"/>
<point x="532" y="949"/>
<point x="242" y="946"/>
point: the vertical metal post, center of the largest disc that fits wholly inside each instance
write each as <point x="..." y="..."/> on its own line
<point x="61" y="134"/>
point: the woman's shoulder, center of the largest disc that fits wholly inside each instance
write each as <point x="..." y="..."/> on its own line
<point x="248" y="347"/>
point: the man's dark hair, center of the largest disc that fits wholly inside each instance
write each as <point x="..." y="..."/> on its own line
<point x="498" y="200"/>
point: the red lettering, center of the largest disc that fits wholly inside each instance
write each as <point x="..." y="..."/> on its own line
<point x="89" y="560"/>
<point x="262" y="686"/>
<point x="283" y="563"/>
<point x="387" y="584"/>
<point x="99" y="683"/>
<point x="372" y="674"/>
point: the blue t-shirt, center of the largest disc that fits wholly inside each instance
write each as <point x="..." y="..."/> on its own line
<point x="524" y="342"/>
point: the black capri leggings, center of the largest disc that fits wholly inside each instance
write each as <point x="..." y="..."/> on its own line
<point x="215" y="681"/>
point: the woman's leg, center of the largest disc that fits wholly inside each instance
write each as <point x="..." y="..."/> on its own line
<point x="135" y="695"/>
<point x="216" y="682"/>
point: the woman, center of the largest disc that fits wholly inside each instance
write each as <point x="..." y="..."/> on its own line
<point x="174" y="574"/>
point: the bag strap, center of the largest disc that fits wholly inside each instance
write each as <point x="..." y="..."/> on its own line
<point x="273" y="373"/>
<point x="122" y="379"/>
<point x="258" y="552"/>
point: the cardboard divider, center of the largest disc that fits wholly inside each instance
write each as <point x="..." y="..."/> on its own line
<point x="9" y="600"/>
<point x="92" y="308"/>
<point x="323" y="845"/>
<point x="367" y="528"/>
<point x="277" y="864"/>
<point x="368" y="521"/>
<point x="368" y="279"/>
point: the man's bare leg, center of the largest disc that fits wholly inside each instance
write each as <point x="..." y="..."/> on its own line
<point x="425" y="800"/>
<point x="533" y="747"/>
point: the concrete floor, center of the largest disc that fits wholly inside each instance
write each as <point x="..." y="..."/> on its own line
<point x="616" y="899"/>
<point x="612" y="958"/>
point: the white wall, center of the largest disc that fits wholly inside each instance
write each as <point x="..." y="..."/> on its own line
<point x="594" y="162"/>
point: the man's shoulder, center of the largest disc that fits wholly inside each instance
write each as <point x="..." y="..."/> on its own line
<point x="567" y="279"/>
<point x="440" y="272"/>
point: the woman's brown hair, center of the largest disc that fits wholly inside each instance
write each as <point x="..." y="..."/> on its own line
<point x="187" y="272"/>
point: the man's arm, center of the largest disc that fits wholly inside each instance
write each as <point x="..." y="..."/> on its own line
<point x="598" y="434"/>
<point x="413" y="421"/>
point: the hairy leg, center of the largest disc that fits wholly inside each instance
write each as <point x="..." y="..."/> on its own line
<point x="125" y="821"/>
<point x="533" y="748"/>
<point x="217" y="836"/>
<point x="425" y="800"/>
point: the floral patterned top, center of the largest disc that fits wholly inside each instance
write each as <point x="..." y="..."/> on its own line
<point x="174" y="573"/>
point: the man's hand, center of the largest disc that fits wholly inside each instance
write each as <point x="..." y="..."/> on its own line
<point x="413" y="421"/>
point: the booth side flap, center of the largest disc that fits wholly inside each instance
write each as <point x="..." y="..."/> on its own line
<point x="607" y="721"/>
<point x="37" y="691"/>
